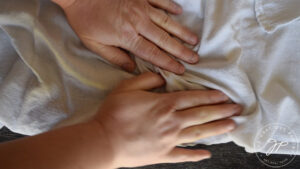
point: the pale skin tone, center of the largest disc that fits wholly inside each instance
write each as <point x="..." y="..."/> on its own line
<point x="134" y="127"/>
<point x="112" y="27"/>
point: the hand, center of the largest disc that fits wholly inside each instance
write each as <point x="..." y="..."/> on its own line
<point x="144" y="128"/>
<point x="140" y="26"/>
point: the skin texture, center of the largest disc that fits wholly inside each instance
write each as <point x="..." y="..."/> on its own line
<point x="148" y="131"/>
<point x="112" y="28"/>
<point x="134" y="127"/>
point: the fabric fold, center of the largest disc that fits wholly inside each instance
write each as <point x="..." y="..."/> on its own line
<point x="272" y="14"/>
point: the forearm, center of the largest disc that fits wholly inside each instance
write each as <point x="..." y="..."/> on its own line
<point x="74" y="147"/>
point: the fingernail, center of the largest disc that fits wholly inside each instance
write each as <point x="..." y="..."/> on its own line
<point x="194" y="58"/>
<point x="193" y="40"/>
<point x="231" y="126"/>
<point x="238" y="110"/>
<point x="128" y="66"/>
<point x="180" y="69"/>
<point x="177" y="8"/>
<point x="222" y="96"/>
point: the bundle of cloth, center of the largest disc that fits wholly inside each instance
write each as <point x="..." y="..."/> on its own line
<point x="248" y="49"/>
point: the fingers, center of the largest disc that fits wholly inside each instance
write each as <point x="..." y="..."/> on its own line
<point x="188" y="99"/>
<point x="145" y="81"/>
<point x="149" y="52"/>
<point x="167" y="5"/>
<point x="195" y="133"/>
<point x="163" y="20"/>
<point x="201" y="115"/>
<point x="112" y="54"/>
<point x="178" y="155"/>
<point x="162" y="39"/>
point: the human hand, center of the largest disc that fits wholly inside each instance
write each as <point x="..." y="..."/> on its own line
<point x="143" y="127"/>
<point x="140" y="26"/>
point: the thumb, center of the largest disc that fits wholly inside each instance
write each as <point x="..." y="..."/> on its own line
<point x="112" y="54"/>
<point x="145" y="81"/>
<point x="178" y="155"/>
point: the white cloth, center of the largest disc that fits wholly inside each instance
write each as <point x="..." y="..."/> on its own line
<point x="46" y="74"/>
<point x="272" y="14"/>
<point x="49" y="79"/>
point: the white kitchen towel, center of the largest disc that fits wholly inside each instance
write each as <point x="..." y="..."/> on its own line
<point x="274" y="13"/>
<point x="50" y="80"/>
<point x="46" y="73"/>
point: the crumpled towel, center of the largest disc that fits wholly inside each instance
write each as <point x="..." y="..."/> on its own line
<point x="52" y="80"/>
<point x="46" y="75"/>
<point x="272" y="14"/>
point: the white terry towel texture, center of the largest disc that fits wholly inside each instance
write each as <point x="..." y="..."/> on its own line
<point x="49" y="79"/>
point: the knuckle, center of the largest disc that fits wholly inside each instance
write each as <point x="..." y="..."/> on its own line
<point x="178" y="96"/>
<point x="164" y="39"/>
<point x="137" y="11"/>
<point x="168" y="110"/>
<point x="153" y="54"/>
<point x="171" y="128"/>
<point x="177" y="126"/>
<point x="172" y="64"/>
<point x="165" y="20"/>
<point x="181" y="119"/>
<point x="164" y="112"/>
<point x="182" y="50"/>
<point x="135" y="18"/>
<point x="172" y="104"/>
<point x="128" y="34"/>
<point x="135" y="43"/>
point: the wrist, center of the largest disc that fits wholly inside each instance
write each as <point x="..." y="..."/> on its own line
<point x="64" y="3"/>
<point x="104" y="145"/>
